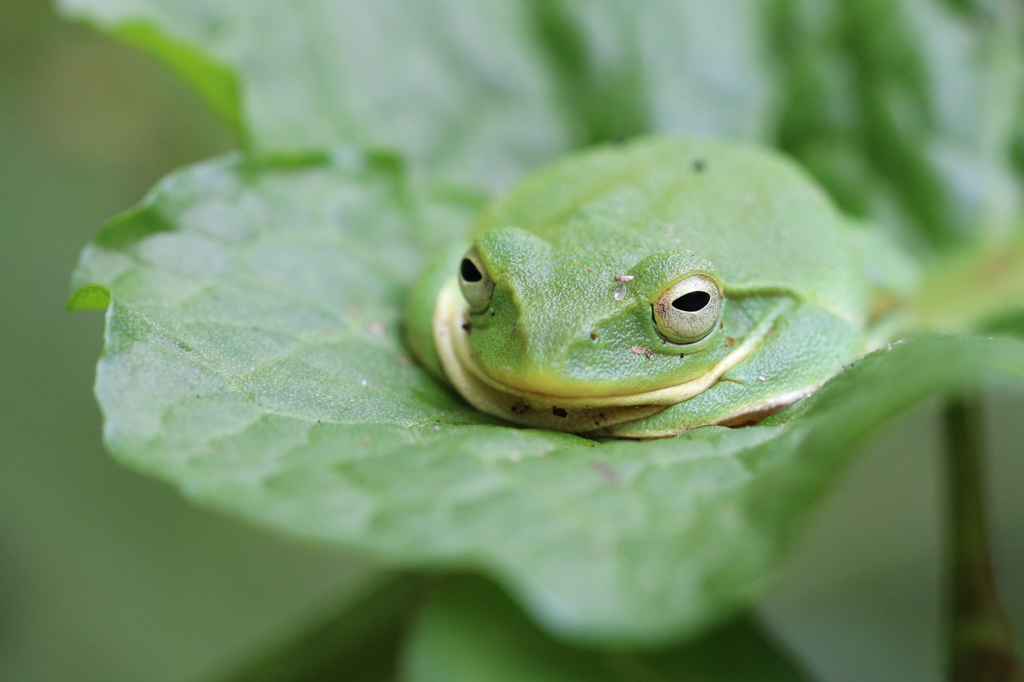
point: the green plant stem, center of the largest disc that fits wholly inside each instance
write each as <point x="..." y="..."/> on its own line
<point x="981" y="648"/>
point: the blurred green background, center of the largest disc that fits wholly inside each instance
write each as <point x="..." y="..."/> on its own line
<point x="106" y="575"/>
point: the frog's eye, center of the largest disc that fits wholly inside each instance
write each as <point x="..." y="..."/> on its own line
<point x="476" y="284"/>
<point x="688" y="310"/>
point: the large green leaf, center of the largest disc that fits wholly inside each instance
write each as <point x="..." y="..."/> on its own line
<point x="253" y="359"/>
<point x="468" y="631"/>
<point x="461" y="88"/>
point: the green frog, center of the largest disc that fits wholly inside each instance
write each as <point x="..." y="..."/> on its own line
<point x="643" y="289"/>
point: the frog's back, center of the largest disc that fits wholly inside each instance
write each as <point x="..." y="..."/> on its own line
<point x="761" y="221"/>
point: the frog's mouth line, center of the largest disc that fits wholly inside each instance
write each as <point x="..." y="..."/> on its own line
<point x="560" y="413"/>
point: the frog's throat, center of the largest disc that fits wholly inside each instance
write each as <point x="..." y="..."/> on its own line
<point x="559" y="413"/>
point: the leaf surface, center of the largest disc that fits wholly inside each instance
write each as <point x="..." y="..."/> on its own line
<point x="253" y="359"/>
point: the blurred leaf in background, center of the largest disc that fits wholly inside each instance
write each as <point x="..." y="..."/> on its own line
<point x="308" y="77"/>
<point x="909" y="112"/>
<point x="468" y="631"/>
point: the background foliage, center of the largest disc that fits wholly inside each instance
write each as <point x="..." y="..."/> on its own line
<point x="577" y="64"/>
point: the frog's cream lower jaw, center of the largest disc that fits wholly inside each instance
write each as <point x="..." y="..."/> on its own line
<point x="560" y="413"/>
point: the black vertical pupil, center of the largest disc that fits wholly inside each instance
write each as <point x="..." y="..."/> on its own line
<point x="470" y="272"/>
<point x="692" y="302"/>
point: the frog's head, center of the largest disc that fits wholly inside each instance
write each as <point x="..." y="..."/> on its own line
<point x="543" y="318"/>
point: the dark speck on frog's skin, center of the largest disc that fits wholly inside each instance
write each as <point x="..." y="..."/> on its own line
<point x="559" y="412"/>
<point x="467" y="326"/>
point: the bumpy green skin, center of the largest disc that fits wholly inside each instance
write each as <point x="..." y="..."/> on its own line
<point x="661" y="209"/>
